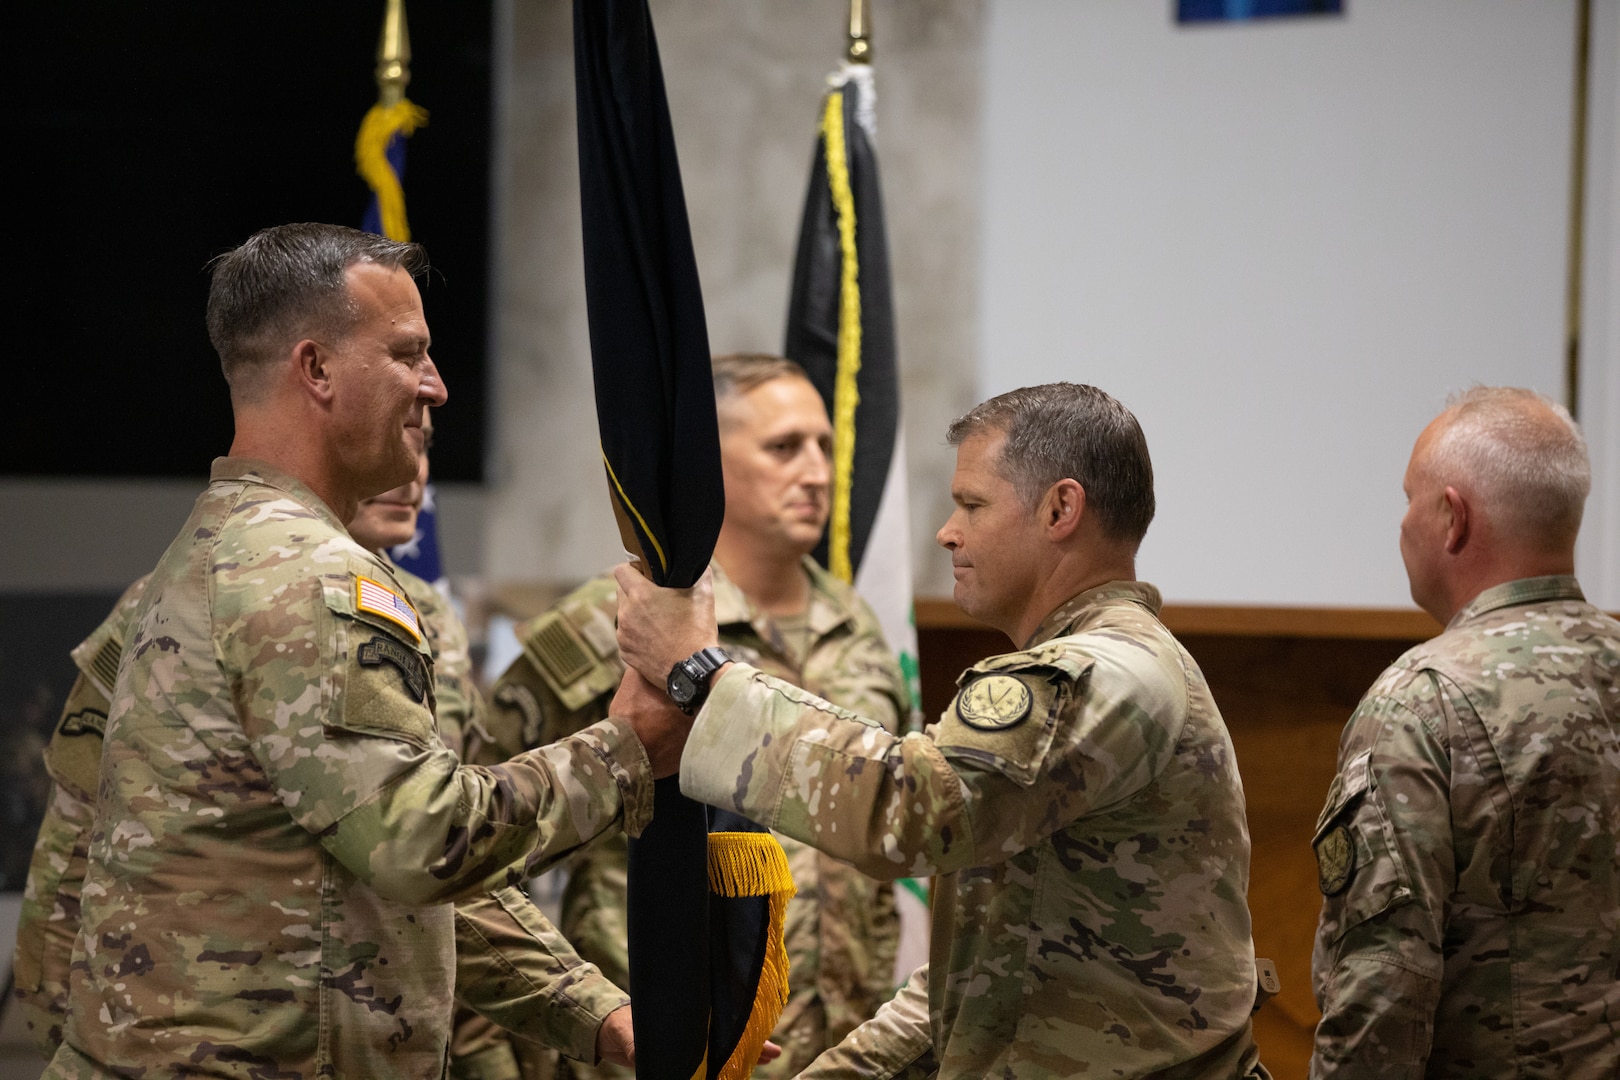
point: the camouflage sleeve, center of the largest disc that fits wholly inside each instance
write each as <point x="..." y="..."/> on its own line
<point x="1033" y="741"/>
<point x="515" y="968"/>
<point x="49" y="919"/>
<point x="896" y="1044"/>
<point x="336" y="701"/>
<point x="1385" y="866"/>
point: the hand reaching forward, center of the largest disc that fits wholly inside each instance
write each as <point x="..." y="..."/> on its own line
<point x="616" y="1039"/>
<point x="661" y="727"/>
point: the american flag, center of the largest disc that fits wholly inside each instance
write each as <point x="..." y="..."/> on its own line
<point x="380" y="600"/>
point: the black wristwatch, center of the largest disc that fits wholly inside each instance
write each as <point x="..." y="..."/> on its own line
<point x="688" y="682"/>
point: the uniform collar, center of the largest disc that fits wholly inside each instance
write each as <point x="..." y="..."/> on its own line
<point x="1068" y="615"/>
<point x="826" y="613"/>
<point x="1533" y="590"/>
<point x="255" y="471"/>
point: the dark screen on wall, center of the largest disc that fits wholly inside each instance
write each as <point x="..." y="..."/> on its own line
<point x="143" y="139"/>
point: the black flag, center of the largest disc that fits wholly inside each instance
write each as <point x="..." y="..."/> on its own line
<point x="708" y="974"/>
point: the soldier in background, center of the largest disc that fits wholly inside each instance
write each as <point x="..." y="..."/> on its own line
<point x="1079" y="798"/>
<point x="783" y="613"/>
<point x="279" y="828"/>
<point x="1466" y="853"/>
<point x="554" y="996"/>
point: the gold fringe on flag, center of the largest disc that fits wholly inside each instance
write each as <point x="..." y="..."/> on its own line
<point x="846" y="394"/>
<point x="381" y="124"/>
<point x="754" y="864"/>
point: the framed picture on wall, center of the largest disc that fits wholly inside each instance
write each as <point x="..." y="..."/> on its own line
<point x="1192" y="11"/>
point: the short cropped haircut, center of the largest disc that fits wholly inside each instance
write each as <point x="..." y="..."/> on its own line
<point x="288" y="282"/>
<point x="737" y="373"/>
<point x="1070" y="431"/>
<point x="1521" y="455"/>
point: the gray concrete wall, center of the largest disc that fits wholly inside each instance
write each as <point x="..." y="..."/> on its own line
<point x="744" y="80"/>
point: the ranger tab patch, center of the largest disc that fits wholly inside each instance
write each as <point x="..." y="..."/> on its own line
<point x="379" y="599"/>
<point x="994" y="702"/>
<point x="381" y="650"/>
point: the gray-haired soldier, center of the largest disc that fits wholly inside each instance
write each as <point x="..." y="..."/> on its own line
<point x="279" y="827"/>
<point x="1467" y="851"/>
<point x="1079" y="798"/>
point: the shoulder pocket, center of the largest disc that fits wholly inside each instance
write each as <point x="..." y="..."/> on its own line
<point x="576" y="652"/>
<point x="1359" y="869"/>
<point x="385" y="682"/>
<point x="1006" y="710"/>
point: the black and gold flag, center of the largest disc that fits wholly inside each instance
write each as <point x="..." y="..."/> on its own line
<point x="708" y="975"/>
<point x="841" y="328"/>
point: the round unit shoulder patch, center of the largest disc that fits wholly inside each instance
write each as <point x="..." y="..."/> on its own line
<point x="994" y="702"/>
<point x="1335" y="860"/>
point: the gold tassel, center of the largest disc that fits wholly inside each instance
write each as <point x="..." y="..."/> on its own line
<point x="754" y="864"/>
<point x="381" y="124"/>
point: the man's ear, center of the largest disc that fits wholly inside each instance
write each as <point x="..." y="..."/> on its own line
<point x="1062" y="508"/>
<point x="314" y="370"/>
<point x="1458" y="525"/>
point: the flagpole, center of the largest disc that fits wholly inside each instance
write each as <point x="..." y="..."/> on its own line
<point x="860" y="32"/>
<point x="394" y="55"/>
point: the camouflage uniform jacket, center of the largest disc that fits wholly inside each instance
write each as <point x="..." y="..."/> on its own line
<point x="279" y="826"/>
<point x="1467" y="852"/>
<point x="49" y="921"/>
<point x="842" y="929"/>
<point x="1081" y="801"/>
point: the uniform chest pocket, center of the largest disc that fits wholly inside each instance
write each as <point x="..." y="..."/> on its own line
<point x="1359" y="868"/>
<point x="384" y="685"/>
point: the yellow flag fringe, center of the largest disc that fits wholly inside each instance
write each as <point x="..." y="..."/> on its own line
<point x="754" y="864"/>
<point x="846" y="394"/>
<point x="381" y="124"/>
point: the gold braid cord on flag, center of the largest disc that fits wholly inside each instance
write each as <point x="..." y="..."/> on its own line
<point x="846" y="395"/>
<point x="754" y="864"/>
<point x="381" y="124"/>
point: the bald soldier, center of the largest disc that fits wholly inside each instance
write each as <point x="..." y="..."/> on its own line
<point x="1079" y="799"/>
<point x="279" y="827"/>
<point x="1467" y="851"/>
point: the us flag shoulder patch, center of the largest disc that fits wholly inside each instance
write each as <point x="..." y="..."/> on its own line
<point x="379" y="599"/>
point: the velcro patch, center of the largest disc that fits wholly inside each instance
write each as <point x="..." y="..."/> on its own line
<point x="373" y="596"/>
<point x="1335" y="860"/>
<point x="994" y="702"/>
<point x="380" y="650"/>
<point x="84" y="722"/>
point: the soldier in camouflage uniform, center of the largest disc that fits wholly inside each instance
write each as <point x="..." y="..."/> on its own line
<point x="1467" y="851"/>
<point x="279" y="827"/>
<point x="841" y="928"/>
<point x="504" y="936"/>
<point x="1079" y="799"/>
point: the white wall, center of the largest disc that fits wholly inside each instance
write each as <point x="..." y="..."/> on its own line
<point x="1281" y="243"/>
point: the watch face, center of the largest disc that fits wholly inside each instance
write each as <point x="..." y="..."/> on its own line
<point x="682" y="688"/>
